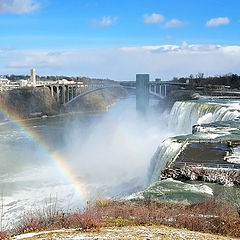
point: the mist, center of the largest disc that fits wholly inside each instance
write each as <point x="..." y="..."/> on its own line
<point x="109" y="152"/>
<point x="113" y="155"/>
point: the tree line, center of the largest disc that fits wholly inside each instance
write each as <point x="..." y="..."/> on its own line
<point x="231" y="80"/>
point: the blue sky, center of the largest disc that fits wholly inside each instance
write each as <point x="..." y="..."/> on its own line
<point x="47" y="33"/>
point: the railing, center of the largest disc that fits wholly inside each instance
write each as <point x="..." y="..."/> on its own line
<point x="181" y="165"/>
<point x="220" y="141"/>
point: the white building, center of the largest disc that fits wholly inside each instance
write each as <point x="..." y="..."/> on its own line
<point x="23" y="83"/>
<point x="33" y="76"/>
<point x="4" y="82"/>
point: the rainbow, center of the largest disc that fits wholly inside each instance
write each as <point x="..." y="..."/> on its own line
<point x="59" y="160"/>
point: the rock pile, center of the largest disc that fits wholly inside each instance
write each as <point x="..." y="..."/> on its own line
<point x="226" y="176"/>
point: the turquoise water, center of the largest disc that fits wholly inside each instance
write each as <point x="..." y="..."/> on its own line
<point x="189" y="191"/>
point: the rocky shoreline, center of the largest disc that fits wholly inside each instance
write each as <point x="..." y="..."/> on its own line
<point x="205" y="160"/>
<point x="224" y="176"/>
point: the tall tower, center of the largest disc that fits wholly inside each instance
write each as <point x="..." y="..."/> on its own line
<point x="33" y="76"/>
<point x="142" y="92"/>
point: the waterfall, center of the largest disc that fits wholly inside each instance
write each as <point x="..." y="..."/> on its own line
<point x="165" y="152"/>
<point x="184" y="115"/>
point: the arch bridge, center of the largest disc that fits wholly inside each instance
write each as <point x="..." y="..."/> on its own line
<point x="68" y="93"/>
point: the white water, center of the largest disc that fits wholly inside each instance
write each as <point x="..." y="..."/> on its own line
<point x="186" y="114"/>
<point x="165" y="152"/>
<point x="235" y="157"/>
<point x="182" y="117"/>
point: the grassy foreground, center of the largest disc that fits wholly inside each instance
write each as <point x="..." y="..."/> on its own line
<point x="209" y="216"/>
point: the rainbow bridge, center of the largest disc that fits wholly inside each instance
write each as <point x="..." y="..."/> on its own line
<point x="69" y="93"/>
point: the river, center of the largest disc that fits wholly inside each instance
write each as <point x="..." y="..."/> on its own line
<point x="71" y="159"/>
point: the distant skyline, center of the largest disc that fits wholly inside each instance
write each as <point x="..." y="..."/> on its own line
<point x="118" y="38"/>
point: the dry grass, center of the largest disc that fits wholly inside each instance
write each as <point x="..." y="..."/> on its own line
<point x="207" y="216"/>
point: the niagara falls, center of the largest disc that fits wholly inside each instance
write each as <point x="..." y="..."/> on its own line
<point x="119" y="119"/>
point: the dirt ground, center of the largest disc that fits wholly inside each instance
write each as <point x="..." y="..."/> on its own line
<point x="135" y="232"/>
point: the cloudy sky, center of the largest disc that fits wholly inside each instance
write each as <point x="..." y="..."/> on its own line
<point x="118" y="38"/>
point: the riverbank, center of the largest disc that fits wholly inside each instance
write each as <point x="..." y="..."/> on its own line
<point x="33" y="103"/>
<point x="28" y="103"/>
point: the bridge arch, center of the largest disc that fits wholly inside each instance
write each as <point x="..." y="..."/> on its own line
<point x="76" y="98"/>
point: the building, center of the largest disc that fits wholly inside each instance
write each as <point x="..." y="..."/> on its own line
<point x="23" y="83"/>
<point x="4" y="82"/>
<point x="33" y="77"/>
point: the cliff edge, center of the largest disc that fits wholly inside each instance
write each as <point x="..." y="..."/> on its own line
<point x="29" y="102"/>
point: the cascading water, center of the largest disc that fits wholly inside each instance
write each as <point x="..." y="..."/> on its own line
<point x="183" y="116"/>
<point x="162" y="156"/>
<point x="186" y="114"/>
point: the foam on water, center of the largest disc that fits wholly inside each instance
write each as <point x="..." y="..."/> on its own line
<point x="34" y="199"/>
<point x="170" y="189"/>
<point x="33" y="189"/>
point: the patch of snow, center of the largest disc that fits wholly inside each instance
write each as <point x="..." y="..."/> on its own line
<point x="235" y="157"/>
<point x="33" y="234"/>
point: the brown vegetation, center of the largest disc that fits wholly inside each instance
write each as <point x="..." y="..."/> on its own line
<point x="208" y="216"/>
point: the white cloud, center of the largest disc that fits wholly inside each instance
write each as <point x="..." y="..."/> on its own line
<point x="174" y="23"/>
<point x="40" y="59"/>
<point x="154" y="18"/>
<point x="214" y="22"/>
<point x="165" y="61"/>
<point x="18" y="6"/>
<point x="106" y="21"/>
